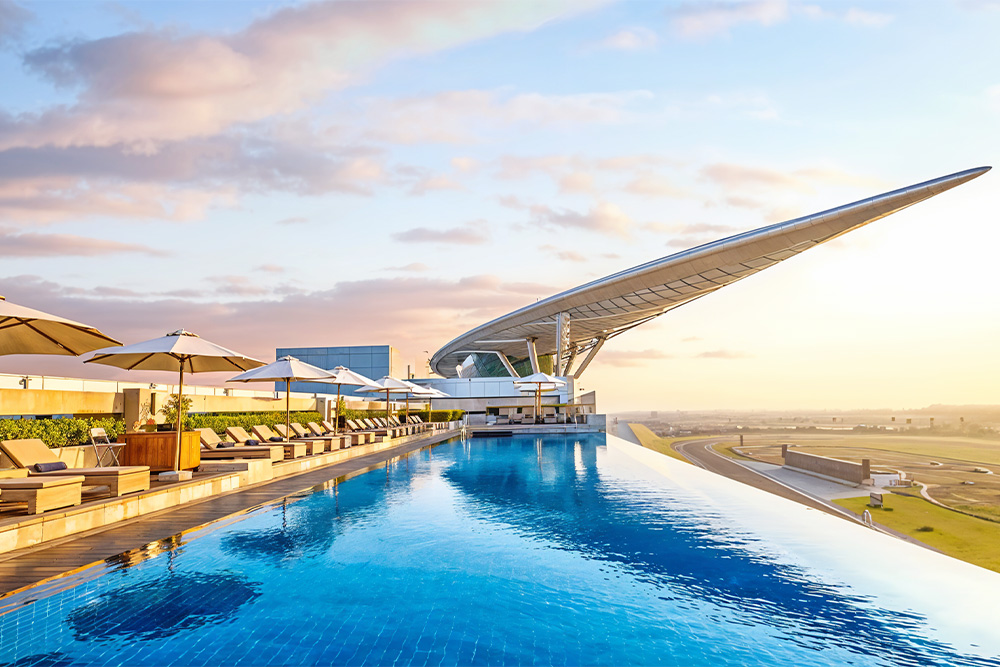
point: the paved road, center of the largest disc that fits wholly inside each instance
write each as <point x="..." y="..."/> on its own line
<point x="700" y="453"/>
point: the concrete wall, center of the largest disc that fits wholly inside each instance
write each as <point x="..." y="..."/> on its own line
<point x="847" y="471"/>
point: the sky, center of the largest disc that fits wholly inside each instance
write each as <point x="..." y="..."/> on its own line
<point x="286" y="174"/>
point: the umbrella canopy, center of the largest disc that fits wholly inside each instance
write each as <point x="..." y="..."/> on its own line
<point x="285" y="369"/>
<point x="180" y="351"/>
<point x="29" y="331"/>
<point x="340" y="376"/>
<point x="539" y="379"/>
<point x="389" y="385"/>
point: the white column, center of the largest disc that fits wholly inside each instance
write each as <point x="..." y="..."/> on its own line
<point x="533" y="355"/>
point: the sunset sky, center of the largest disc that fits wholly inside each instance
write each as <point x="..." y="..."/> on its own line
<point x="346" y="173"/>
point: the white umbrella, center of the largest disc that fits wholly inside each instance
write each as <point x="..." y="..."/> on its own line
<point x="539" y="379"/>
<point x="430" y="393"/>
<point x="340" y="376"/>
<point x="180" y="351"/>
<point x="389" y="385"/>
<point x="287" y="369"/>
<point x="29" y="331"/>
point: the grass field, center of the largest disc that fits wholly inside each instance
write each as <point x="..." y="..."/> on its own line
<point x="963" y="537"/>
<point x="652" y="441"/>
<point x="955" y="470"/>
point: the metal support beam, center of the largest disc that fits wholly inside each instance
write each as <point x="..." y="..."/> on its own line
<point x="562" y="341"/>
<point x="506" y="364"/>
<point x="533" y="355"/>
<point x="590" y="357"/>
<point x="568" y="371"/>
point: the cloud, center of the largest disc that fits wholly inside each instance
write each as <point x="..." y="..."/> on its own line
<point x="653" y="185"/>
<point x="993" y="96"/>
<point x="602" y="218"/>
<point x="31" y="244"/>
<point x="630" y="39"/>
<point x="723" y="354"/>
<point x="630" y="358"/>
<point x="563" y="255"/>
<point x="145" y="87"/>
<point x="461" y="116"/>
<point x="576" y="182"/>
<point x="867" y="19"/>
<point x="423" y="312"/>
<point x="465" y="164"/>
<point x="473" y="233"/>
<point x="743" y="177"/>
<point x="708" y="19"/>
<point x="270" y="268"/>
<point x="13" y="18"/>
<point x="691" y="339"/>
<point x="432" y="183"/>
<point x="416" y="267"/>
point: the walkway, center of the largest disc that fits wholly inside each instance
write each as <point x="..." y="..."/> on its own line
<point x="26" y="567"/>
<point x="812" y="492"/>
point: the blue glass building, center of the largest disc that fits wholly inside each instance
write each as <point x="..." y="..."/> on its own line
<point x="372" y="361"/>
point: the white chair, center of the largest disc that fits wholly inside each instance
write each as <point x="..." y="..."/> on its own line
<point x="98" y="439"/>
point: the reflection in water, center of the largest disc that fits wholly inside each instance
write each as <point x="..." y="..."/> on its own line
<point x="520" y="551"/>
<point x="555" y="493"/>
<point x="162" y="607"/>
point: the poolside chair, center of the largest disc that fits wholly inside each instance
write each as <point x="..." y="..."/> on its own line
<point x="99" y="438"/>
<point x="299" y="432"/>
<point x="336" y="441"/>
<point x="346" y="439"/>
<point x="293" y="450"/>
<point x="265" y="434"/>
<point x="41" y="493"/>
<point x="31" y="453"/>
<point x="549" y="415"/>
<point x="211" y="450"/>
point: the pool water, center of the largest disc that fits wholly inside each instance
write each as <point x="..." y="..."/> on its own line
<point x="553" y="550"/>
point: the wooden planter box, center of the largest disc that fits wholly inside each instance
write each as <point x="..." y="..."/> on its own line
<point x="159" y="450"/>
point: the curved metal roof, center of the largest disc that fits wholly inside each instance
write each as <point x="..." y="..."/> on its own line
<point x="611" y="305"/>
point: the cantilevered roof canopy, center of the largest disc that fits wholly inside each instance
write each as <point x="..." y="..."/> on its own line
<point x="591" y="313"/>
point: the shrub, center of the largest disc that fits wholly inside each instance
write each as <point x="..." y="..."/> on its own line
<point x="219" y="422"/>
<point x="60" y="432"/>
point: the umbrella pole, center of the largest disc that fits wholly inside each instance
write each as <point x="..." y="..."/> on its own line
<point x="180" y="417"/>
<point x="336" y="424"/>
<point x="288" y="409"/>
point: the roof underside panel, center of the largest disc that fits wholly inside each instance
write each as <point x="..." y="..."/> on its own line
<point x="615" y="303"/>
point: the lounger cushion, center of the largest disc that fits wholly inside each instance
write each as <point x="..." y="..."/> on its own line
<point x="50" y="467"/>
<point x="251" y="443"/>
<point x="276" y="439"/>
<point x="224" y="444"/>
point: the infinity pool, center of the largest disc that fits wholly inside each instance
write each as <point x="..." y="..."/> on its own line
<point x="544" y="551"/>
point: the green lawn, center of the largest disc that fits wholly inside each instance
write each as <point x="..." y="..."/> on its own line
<point x="973" y="540"/>
<point x="652" y="441"/>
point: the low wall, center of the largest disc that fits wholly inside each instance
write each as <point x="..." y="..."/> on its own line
<point x="847" y="471"/>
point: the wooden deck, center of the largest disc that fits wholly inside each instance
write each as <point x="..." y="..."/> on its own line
<point x="49" y="561"/>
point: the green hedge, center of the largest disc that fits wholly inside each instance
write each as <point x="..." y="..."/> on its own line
<point x="219" y="422"/>
<point x="67" y="432"/>
<point x="59" y="432"/>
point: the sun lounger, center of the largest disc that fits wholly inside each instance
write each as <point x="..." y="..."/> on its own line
<point x="336" y="441"/>
<point x="211" y="450"/>
<point x="41" y="493"/>
<point x="345" y="438"/>
<point x="119" y="479"/>
<point x="332" y="441"/>
<point x="549" y="415"/>
<point x="293" y="450"/>
<point x="265" y="434"/>
<point x="326" y="443"/>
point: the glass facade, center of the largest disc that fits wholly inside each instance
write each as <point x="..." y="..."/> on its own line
<point x="373" y="361"/>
